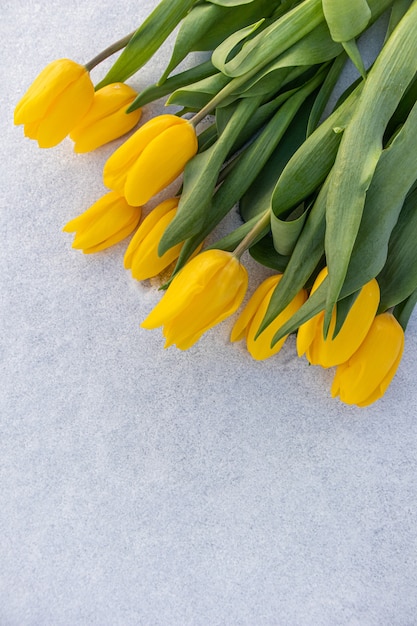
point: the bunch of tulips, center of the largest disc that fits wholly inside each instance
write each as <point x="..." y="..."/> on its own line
<point x="328" y="203"/>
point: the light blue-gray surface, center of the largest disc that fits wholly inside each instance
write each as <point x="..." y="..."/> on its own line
<point x="142" y="486"/>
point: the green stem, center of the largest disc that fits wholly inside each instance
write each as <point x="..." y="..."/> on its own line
<point x="224" y="93"/>
<point x="104" y="54"/>
<point x="253" y="234"/>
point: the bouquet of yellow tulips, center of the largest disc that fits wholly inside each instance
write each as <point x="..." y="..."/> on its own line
<point x="328" y="203"/>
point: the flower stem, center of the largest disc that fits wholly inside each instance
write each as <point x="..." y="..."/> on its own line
<point x="104" y="54"/>
<point x="224" y="93"/>
<point x="253" y="234"/>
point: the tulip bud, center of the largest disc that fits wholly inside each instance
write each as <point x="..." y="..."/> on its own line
<point x="332" y="351"/>
<point x="55" y="102"/>
<point x="152" y="158"/>
<point x="249" y="321"/>
<point x="141" y="256"/>
<point x="365" y="377"/>
<point x="105" y="223"/>
<point x="106" y="119"/>
<point x="205" y="292"/>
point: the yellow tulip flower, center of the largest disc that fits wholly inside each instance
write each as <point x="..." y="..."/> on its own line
<point x="365" y="377"/>
<point x="205" y="292"/>
<point x="106" y="119"/>
<point x="55" y="102"/>
<point x="329" y="352"/>
<point x="105" y="223"/>
<point x="141" y="256"/>
<point x="152" y="158"/>
<point x="250" y="319"/>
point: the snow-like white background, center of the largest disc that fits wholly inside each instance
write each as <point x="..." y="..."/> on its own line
<point x="147" y="486"/>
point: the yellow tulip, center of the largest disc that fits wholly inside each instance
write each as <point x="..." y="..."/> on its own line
<point x="205" y="292"/>
<point x="141" y="256"/>
<point x="252" y="315"/>
<point x="329" y="352"/>
<point x="55" y="102"/>
<point x="106" y="119"/>
<point x="365" y="377"/>
<point x="105" y="223"/>
<point x="152" y="158"/>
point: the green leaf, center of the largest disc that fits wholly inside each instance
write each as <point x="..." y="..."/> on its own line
<point x="343" y="307"/>
<point x="233" y="239"/>
<point x="398" y="279"/>
<point x="310" y="165"/>
<point x="404" y="309"/>
<point x="352" y="50"/>
<point x="230" y="3"/>
<point x="286" y="232"/>
<point x="200" y="177"/>
<point x="207" y="25"/>
<point x="346" y="20"/>
<point x="398" y="10"/>
<point x="225" y="49"/>
<point x="394" y="176"/>
<point x="181" y="80"/>
<point x="264" y="253"/>
<point x="199" y="93"/>
<point x="257" y="198"/>
<point x="325" y="92"/>
<point x="303" y="261"/>
<point x="147" y="39"/>
<point x="250" y="162"/>
<point x="361" y="148"/>
<point x="270" y="42"/>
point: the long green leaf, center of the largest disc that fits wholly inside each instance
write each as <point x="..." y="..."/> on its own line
<point x="271" y="42"/>
<point x="361" y="148"/>
<point x="398" y="279"/>
<point x="207" y="25"/>
<point x="180" y="80"/>
<point x="292" y="115"/>
<point x="147" y="39"/>
<point x="404" y="309"/>
<point x="200" y="177"/>
<point x="394" y="176"/>
<point x="310" y="165"/>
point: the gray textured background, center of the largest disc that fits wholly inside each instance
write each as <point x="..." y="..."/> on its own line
<point x="143" y="486"/>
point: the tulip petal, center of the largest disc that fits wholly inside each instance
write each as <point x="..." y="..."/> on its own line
<point x="109" y="220"/>
<point x="367" y="374"/>
<point x="40" y="96"/>
<point x="187" y="284"/>
<point x="146" y="262"/>
<point x="241" y="325"/>
<point x="67" y="110"/>
<point x="206" y="291"/>
<point x="260" y="348"/>
<point x="117" y="166"/>
<point x="160" y="163"/>
<point x="116" y="237"/>
<point x="149" y="223"/>
<point x="106" y="119"/>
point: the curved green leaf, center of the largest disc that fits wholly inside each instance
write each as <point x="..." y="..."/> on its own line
<point x="207" y="25"/>
<point x="286" y="232"/>
<point x="230" y="3"/>
<point x="200" y="177"/>
<point x="404" y="309"/>
<point x="346" y="20"/>
<point x="270" y="42"/>
<point x="310" y="165"/>
<point x="398" y="279"/>
<point x="147" y="39"/>
<point x="181" y="80"/>
<point x="361" y="148"/>
<point x="394" y="176"/>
